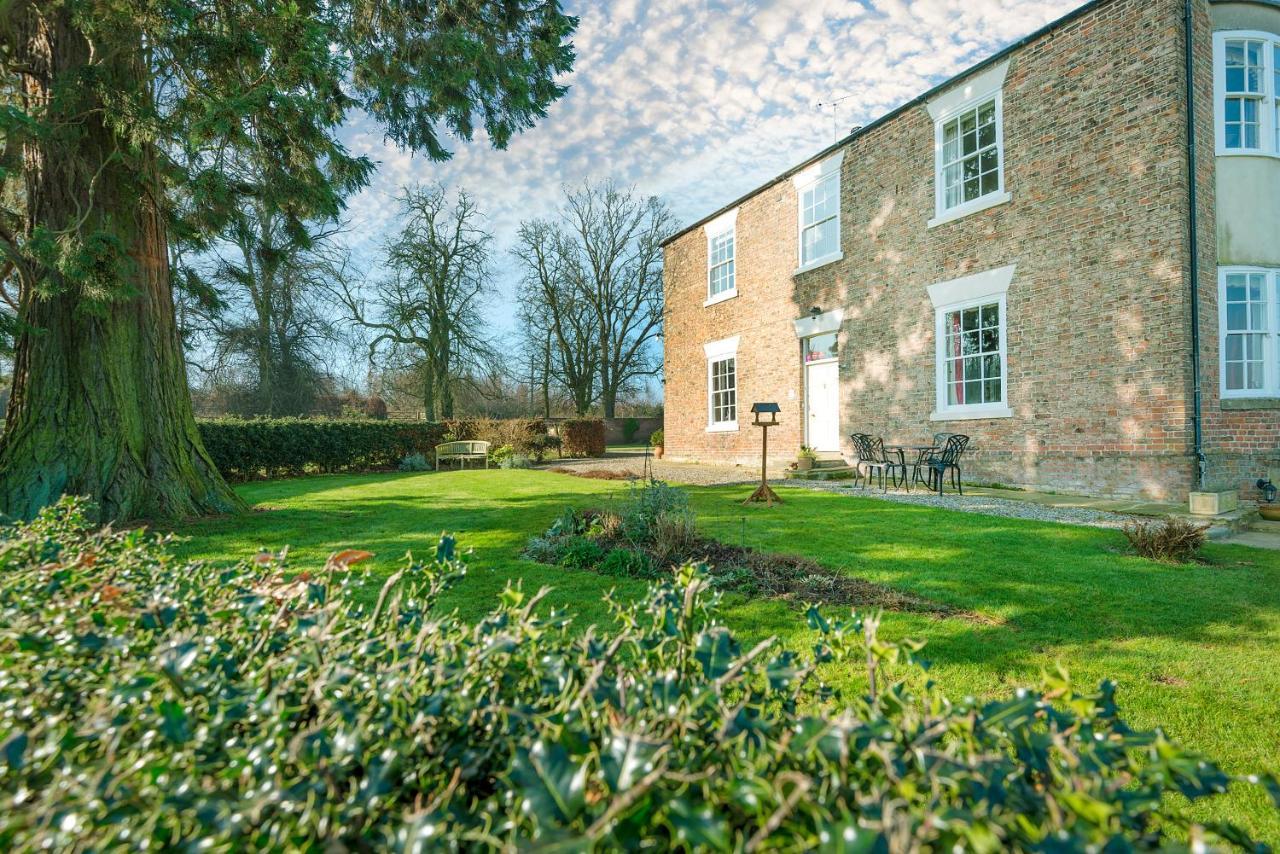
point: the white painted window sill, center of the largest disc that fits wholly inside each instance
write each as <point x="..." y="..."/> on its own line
<point x="985" y="203"/>
<point x="973" y="414"/>
<point x="723" y="428"/>
<point x="722" y="297"/>
<point x="1246" y="152"/>
<point x="818" y="262"/>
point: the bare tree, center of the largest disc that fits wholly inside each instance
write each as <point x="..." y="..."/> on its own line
<point x="558" y="322"/>
<point x="268" y="326"/>
<point x="430" y="305"/>
<point x="612" y="258"/>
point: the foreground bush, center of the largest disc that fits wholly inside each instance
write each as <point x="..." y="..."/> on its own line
<point x="148" y="703"/>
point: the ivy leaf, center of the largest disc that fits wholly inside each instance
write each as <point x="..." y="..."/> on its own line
<point x="552" y="784"/>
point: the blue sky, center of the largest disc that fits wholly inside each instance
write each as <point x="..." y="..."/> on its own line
<point x="699" y="102"/>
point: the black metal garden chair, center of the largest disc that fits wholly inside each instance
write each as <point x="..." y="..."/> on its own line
<point x="919" y="469"/>
<point x="947" y="459"/>
<point x="873" y="457"/>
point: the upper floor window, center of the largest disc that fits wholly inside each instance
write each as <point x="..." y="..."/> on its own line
<point x="721" y="233"/>
<point x="1249" y="329"/>
<point x="1247" y="84"/>
<point x="970" y="159"/>
<point x="818" y="188"/>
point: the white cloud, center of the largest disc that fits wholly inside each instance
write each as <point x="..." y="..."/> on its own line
<point x="699" y="102"/>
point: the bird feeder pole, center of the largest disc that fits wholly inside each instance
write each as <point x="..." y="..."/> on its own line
<point x="764" y="494"/>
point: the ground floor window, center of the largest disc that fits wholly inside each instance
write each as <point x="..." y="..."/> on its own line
<point x="722" y="384"/>
<point x="1249" y="323"/>
<point x="971" y="356"/>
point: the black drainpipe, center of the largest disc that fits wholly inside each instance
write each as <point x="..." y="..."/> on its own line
<point x="1201" y="462"/>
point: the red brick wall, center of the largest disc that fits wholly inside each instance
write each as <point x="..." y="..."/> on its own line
<point x="1098" y="373"/>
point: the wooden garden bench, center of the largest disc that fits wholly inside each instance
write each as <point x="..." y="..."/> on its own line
<point x="460" y="452"/>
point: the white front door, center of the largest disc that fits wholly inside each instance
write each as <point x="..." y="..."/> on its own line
<point x="822" y="405"/>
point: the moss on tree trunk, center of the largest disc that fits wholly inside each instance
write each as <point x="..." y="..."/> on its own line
<point x="100" y="403"/>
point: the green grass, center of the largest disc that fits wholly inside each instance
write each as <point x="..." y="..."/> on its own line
<point x="1195" y="649"/>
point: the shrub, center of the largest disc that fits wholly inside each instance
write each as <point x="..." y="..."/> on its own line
<point x="148" y="702"/>
<point x="629" y="429"/>
<point x="517" y="461"/>
<point x="646" y="502"/>
<point x="245" y="449"/>
<point x="628" y="564"/>
<point x="540" y="446"/>
<point x="1171" y="539"/>
<point x="499" y="455"/>
<point x="656" y="438"/>
<point x="521" y="434"/>
<point x="545" y="550"/>
<point x="582" y="437"/>
<point x="581" y="553"/>
<point x="266" y="447"/>
<point x="415" y="462"/>
<point x="672" y="534"/>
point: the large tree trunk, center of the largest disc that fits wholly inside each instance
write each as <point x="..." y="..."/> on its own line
<point x="100" y="401"/>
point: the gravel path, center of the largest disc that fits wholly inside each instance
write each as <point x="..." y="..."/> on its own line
<point x="712" y="475"/>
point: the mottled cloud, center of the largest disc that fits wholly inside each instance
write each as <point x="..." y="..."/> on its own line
<point x="698" y="102"/>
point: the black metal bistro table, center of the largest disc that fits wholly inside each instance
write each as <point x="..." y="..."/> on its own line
<point x="921" y="451"/>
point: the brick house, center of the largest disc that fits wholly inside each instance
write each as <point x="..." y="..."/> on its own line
<point x="1010" y="256"/>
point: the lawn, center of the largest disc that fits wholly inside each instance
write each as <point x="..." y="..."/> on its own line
<point x="1194" y="649"/>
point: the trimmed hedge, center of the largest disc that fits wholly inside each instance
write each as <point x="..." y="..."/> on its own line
<point x="150" y="703"/>
<point x="246" y="449"/>
<point x="582" y="437"/>
<point x="288" y="446"/>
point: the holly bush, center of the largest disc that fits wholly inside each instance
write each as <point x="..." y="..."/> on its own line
<point x="150" y="703"/>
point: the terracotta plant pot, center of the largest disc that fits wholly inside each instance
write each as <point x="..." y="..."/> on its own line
<point x="1270" y="512"/>
<point x="657" y="451"/>
<point x="804" y="464"/>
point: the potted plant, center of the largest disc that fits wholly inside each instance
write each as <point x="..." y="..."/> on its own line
<point x="656" y="441"/>
<point x="806" y="458"/>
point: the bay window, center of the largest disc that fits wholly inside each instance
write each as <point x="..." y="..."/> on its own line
<point x="1249" y="323"/>
<point x="1247" y="92"/>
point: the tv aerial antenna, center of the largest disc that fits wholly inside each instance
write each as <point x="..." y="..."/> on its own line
<point x="834" y="104"/>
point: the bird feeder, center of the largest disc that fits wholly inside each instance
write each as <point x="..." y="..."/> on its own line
<point x="764" y="494"/>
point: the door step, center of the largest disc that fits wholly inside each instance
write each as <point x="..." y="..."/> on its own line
<point x="834" y="472"/>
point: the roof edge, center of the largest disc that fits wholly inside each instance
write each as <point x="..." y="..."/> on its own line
<point x="914" y="102"/>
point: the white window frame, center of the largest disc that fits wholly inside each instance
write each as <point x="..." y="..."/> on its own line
<point x="979" y="289"/>
<point x="720" y="227"/>
<point x="1271" y="342"/>
<point x="1268" y="99"/>
<point x="716" y="352"/>
<point x="827" y="170"/>
<point x="999" y="196"/>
